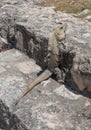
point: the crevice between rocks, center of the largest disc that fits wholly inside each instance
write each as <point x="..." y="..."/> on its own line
<point x="8" y="120"/>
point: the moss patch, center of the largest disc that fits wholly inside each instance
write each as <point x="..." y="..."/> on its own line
<point x="69" y="6"/>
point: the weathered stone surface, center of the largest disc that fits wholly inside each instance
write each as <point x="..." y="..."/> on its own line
<point x="4" y="45"/>
<point x="12" y="76"/>
<point x="35" y="23"/>
<point x="49" y="106"/>
<point x="85" y="14"/>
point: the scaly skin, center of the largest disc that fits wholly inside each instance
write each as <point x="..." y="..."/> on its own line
<point x="45" y="75"/>
<point x="53" y="58"/>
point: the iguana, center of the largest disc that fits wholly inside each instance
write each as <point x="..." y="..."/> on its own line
<point x="55" y="49"/>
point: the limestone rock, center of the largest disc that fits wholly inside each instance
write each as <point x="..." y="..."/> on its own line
<point x="50" y="106"/>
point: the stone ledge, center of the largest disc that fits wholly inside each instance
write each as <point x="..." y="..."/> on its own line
<point x="49" y="106"/>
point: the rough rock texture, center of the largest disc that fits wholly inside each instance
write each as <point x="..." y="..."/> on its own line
<point x="28" y="23"/>
<point x="85" y="14"/>
<point x="4" y="45"/>
<point x="49" y="106"/>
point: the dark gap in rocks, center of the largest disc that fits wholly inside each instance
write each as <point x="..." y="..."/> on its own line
<point x="8" y="120"/>
<point x="36" y="48"/>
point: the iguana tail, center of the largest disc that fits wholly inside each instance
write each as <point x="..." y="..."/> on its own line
<point x="45" y="75"/>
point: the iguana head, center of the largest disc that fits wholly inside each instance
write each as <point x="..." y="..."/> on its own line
<point x="60" y="31"/>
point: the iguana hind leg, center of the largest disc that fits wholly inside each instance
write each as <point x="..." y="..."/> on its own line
<point x="45" y="75"/>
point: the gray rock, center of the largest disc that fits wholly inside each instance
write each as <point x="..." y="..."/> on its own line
<point x="88" y="17"/>
<point x="49" y="106"/>
<point x="3" y="44"/>
<point x="37" y="23"/>
<point x="84" y="12"/>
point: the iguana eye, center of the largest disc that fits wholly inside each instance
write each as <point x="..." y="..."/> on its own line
<point x="61" y="27"/>
<point x="58" y="34"/>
